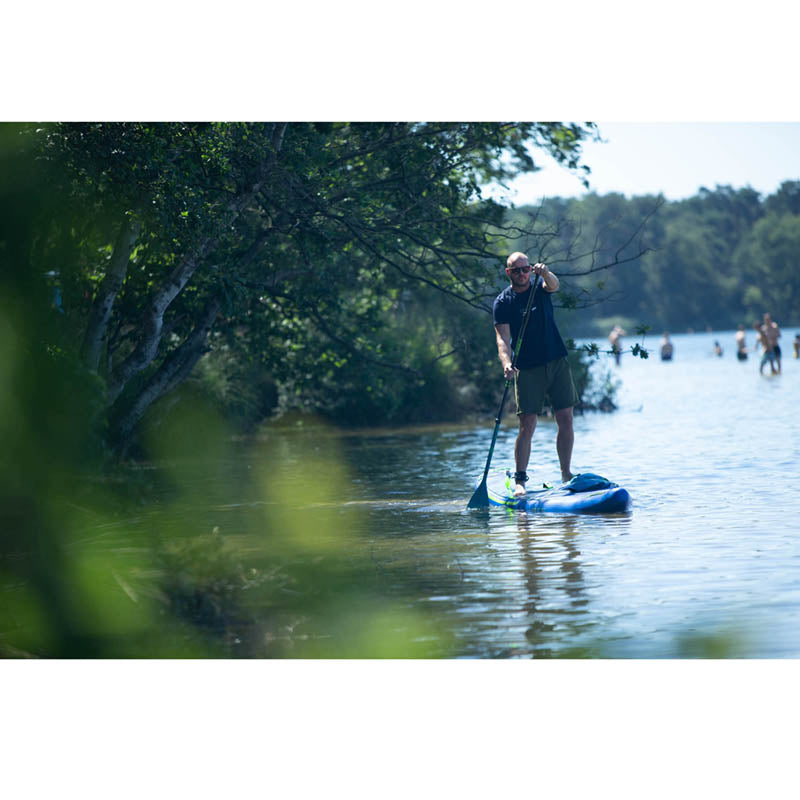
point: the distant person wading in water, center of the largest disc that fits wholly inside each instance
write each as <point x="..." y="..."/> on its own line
<point x="542" y="366"/>
<point x="773" y="333"/>
<point x="741" y="344"/>
<point x="767" y="353"/>
<point x="666" y="348"/>
<point x="615" y="338"/>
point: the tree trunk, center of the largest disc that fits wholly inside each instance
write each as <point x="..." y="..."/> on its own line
<point x="153" y="323"/>
<point x="100" y="312"/>
<point x="175" y="369"/>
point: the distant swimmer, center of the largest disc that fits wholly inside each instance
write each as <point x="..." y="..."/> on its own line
<point x="773" y="333"/>
<point x="797" y="345"/>
<point x="741" y="344"/>
<point x="666" y="348"/>
<point x="717" y="348"/>
<point x="615" y="338"/>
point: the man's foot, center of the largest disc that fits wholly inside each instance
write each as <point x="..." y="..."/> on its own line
<point x="566" y="477"/>
<point x="520" y="479"/>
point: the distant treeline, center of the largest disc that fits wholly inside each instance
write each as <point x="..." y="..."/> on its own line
<point x="716" y="259"/>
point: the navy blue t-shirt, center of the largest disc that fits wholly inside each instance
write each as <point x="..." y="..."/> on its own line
<point x="542" y="342"/>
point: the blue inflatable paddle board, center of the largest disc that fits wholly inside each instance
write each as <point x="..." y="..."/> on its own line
<point x="586" y="493"/>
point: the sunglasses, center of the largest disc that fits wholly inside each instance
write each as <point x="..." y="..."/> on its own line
<point x="517" y="270"/>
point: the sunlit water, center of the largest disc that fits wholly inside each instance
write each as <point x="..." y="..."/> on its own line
<point x="709" y="552"/>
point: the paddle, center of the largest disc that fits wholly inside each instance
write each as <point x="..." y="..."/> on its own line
<point x="480" y="497"/>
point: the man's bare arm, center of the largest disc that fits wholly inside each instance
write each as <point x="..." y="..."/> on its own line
<point x="503" y="335"/>
<point x="551" y="282"/>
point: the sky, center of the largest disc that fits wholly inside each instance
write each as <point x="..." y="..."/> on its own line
<point x="673" y="158"/>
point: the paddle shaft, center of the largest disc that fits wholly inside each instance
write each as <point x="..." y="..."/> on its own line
<point x="508" y="381"/>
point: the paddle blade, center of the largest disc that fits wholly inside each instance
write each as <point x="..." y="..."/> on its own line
<point x="480" y="497"/>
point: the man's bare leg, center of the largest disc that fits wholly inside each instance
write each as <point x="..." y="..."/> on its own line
<point x="564" y="441"/>
<point x="522" y="448"/>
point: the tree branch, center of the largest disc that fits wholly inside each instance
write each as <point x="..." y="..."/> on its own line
<point x="103" y="303"/>
<point x="175" y="368"/>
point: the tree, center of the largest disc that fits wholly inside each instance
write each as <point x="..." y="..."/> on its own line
<point x="786" y="200"/>
<point x="266" y="236"/>
<point x="768" y="257"/>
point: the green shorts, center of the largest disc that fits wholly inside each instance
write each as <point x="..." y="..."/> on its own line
<point x="553" y="379"/>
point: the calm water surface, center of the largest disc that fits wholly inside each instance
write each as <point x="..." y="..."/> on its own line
<point x="709" y="553"/>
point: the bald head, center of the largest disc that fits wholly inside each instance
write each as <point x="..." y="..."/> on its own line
<point x="517" y="260"/>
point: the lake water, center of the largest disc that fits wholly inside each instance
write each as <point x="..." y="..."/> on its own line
<point x="706" y="563"/>
<point x="382" y="558"/>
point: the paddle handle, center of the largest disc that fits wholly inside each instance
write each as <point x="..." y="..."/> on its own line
<point x="524" y="324"/>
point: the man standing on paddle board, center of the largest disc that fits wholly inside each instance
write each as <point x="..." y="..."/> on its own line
<point x="542" y="367"/>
